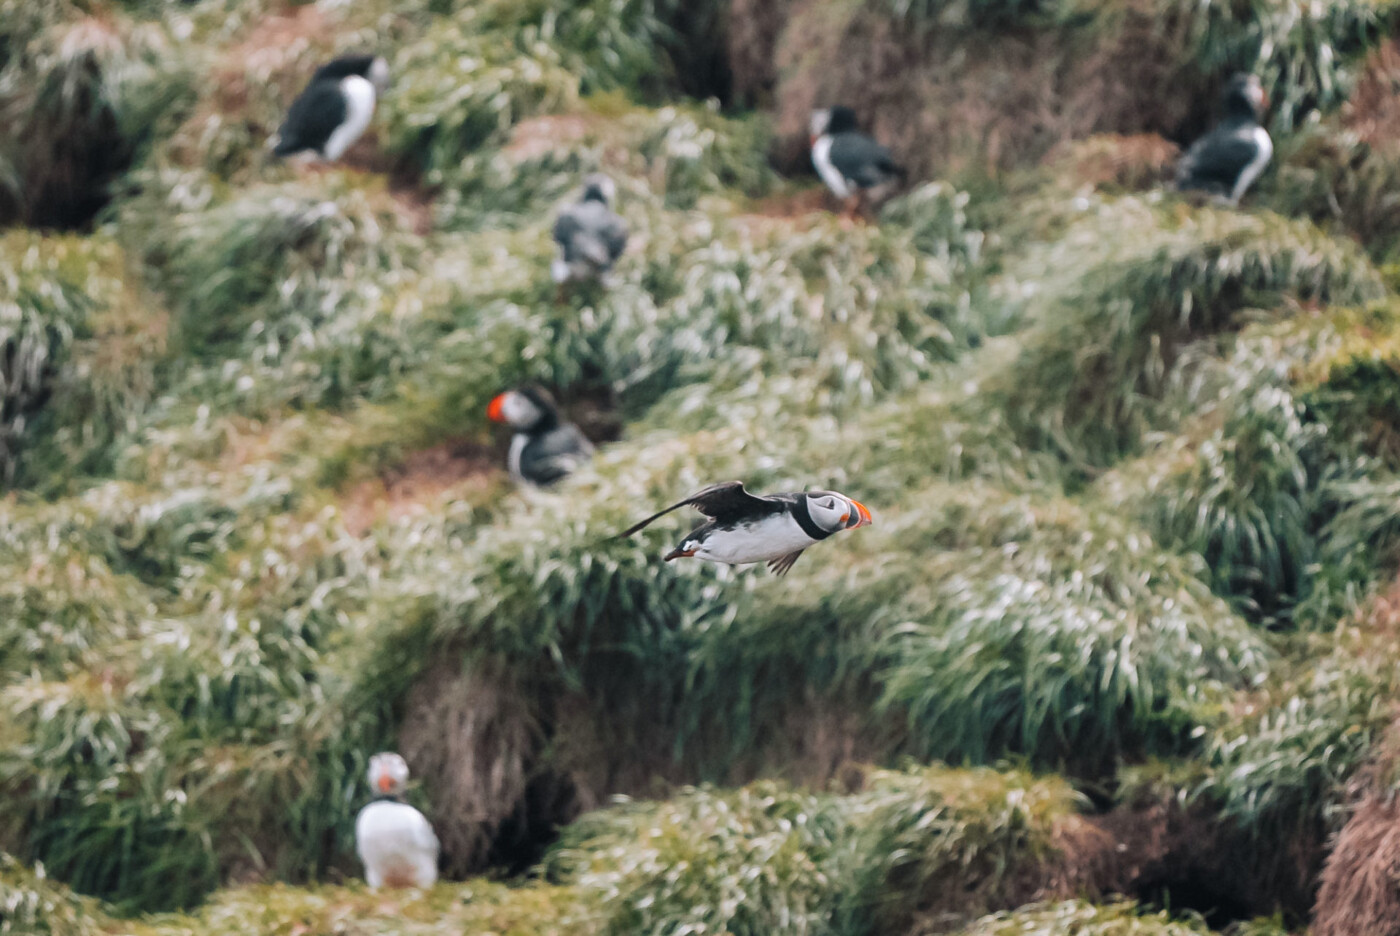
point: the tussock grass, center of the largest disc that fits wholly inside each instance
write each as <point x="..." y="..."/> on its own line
<point x="32" y="904"/>
<point x="79" y="347"/>
<point x="83" y="101"/>
<point x="1078" y="918"/>
<point x="1102" y="354"/>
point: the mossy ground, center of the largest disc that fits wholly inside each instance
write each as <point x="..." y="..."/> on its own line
<point x="1133" y="460"/>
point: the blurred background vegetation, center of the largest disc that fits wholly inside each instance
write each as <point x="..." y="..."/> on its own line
<point x="1118" y="656"/>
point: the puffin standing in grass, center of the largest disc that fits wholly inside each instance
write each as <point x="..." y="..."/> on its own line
<point x="394" y="841"/>
<point x="775" y="528"/>
<point x="544" y="448"/>
<point x="335" y="108"/>
<point x="589" y="235"/>
<point x="858" y="170"/>
<point x="1225" y="162"/>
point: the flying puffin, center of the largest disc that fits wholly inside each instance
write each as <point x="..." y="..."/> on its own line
<point x="394" y="841"/>
<point x="544" y="447"/>
<point x="334" y="109"/>
<point x="1226" y="161"/>
<point x="589" y="234"/>
<point x="849" y="162"/>
<point x="775" y="528"/>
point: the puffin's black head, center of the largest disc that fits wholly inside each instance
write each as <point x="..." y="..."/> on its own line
<point x="1245" y="98"/>
<point x="832" y="511"/>
<point x="525" y="409"/>
<point x="833" y="120"/>
<point x="599" y="188"/>
<point x="373" y="68"/>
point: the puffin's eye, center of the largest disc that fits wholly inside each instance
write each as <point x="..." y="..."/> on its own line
<point x="829" y="503"/>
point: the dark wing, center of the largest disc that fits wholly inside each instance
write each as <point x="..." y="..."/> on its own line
<point x="312" y="118"/>
<point x="780" y="565"/>
<point x="554" y="455"/>
<point x="565" y="227"/>
<point x="614" y="234"/>
<point x="862" y="160"/>
<point x="721" y="502"/>
<point x="1216" y="160"/>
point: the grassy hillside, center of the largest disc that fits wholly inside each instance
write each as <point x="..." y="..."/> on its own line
<point x="1117" y="656"/>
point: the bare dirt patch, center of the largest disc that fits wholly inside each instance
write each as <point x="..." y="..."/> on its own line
<point x="424" y="480"/>
<point x="540" y="136"/>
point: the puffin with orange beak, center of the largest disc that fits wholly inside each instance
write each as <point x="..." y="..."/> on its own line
<point x="544" y="447"/>
<point x="773" y="528"/>
<point x="394" y="840"/>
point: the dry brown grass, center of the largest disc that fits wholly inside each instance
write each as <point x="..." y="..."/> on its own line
<point x="471" y="736"/>
<point x="754" y="28"/>
<point x="1374" y="109"/>
<point x="973" y="100"/>
<point x="1110" y="160"/>
<point x="424" y="482"/>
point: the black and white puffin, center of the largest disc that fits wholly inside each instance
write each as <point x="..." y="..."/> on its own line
<point x="395" y="842"/>
<point x="849" y="162"/>
<point x="544" y="448"/>
<point x="589" y="235"/>
<point x="335" y="108"/>
<point x="773" y="528"/>
<point x="1225" y="162"/>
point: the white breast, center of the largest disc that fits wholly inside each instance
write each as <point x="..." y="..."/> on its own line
<point x="397" y="845"/>
<point x="1256" y="165"/>
<point x="821" y="158"/>
<point x="517" y="450"/>
<point x="767" y="539"/>
<point x="359" y="108"/>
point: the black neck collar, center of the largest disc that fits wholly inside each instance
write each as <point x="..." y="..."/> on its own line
<point x="386" y="798"/>
<point x="803" y="515"/>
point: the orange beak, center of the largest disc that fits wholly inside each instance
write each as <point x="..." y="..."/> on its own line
<point x="386" y="783"/>
<point x="496" y="411"/>
<point x="862" y="517"/>
<point x="812" y="139"/>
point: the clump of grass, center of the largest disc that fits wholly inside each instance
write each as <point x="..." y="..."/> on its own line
<point x="1101" y="355"/>
<point x="1079" y="918"/>
<point x="461" y="90"/>
<point x="32" y="904"/>
<point x="81" y="104"/>
<point x="1059" y="635"/>
<point x="79" y="356"/>
<point x="747" y="862"/>
<point x="934" y="843"/>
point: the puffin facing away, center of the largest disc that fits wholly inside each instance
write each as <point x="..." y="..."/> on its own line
<point x="1225" y="162"/>
<point x="544" y="447"/>
<point x="335" y="108"/>
<point x="590" y="236"/>
<point x="394" y="841"/>
<point x="775" y="529"/>
<point x="849" y="162"/>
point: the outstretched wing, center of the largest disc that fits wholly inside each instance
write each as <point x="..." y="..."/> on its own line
<point x="718" y="502"/>
<point x="780" y="565"/>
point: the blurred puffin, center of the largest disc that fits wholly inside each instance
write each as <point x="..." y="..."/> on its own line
<point x="849" y="162"/>
<point x="775" y="528"/>
<point x="394" y="841"/>
<point x="335" y="108"/>
<point x="544" y="447"/>
<point x="590" y="236"/>
<point x="1226" y="161"/>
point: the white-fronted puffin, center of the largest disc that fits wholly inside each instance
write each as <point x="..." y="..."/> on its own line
<point x="335" y="108"/>
<point x="1225" y="162"/>
<point x="395" y="842"/>
<point x="773" y="528"/>
<point x="589" y="235"/>
<point x="852" y="165"/>
<point x="544" y="448"/>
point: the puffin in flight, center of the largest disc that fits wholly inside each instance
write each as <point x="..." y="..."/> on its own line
<point x="589" y="235"/>
<point x="775" y="528"/>
<point x="1225" y="162"/>
<point x="394" y="841"/>
<point x="544" y="448"/>
<point x="851" y="164"/>
<point x="335" y="108"/>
